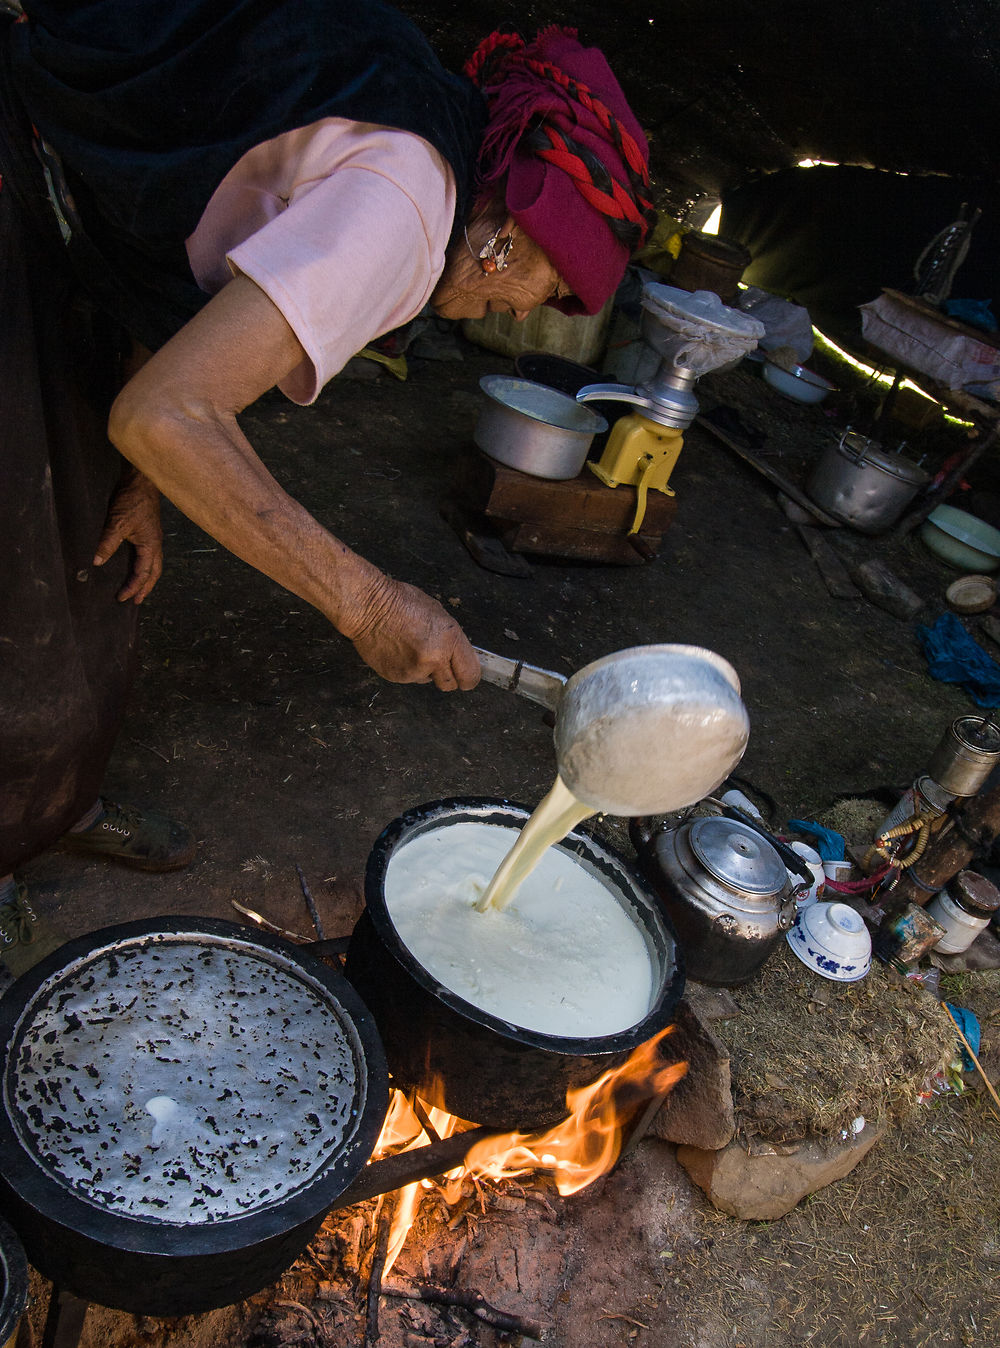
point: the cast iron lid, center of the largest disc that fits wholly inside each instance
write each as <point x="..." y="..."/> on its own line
<point x="187" y="1076"/>
<point x="737" y="855"/>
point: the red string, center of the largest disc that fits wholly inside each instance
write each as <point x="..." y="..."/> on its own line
<point x="859" y="886"/>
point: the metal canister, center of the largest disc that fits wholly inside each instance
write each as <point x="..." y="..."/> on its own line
<point x="966" y="755"/>
<point x="905" y="937"/>
<point x="925" y="796"/>
<point x="862" y="484"/>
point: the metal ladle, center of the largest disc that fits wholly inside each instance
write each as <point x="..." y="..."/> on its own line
<point x="647" y="730"/>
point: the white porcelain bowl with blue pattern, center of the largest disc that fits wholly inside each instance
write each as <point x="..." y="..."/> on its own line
<point x="832" y="940"/>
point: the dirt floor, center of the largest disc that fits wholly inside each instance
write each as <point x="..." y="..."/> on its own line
<point x="261" y="728"/>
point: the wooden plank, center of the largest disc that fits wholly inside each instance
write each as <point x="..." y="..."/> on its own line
<point x="581" y="545"/>
<point x="480" y="538"/>
<point x="772" y="474"/>
<point x="830" y="565"/>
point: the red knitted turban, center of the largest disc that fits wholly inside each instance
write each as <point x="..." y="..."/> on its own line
<point x="570" y="155"/>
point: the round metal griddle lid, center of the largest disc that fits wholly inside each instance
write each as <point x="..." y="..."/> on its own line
<point x="197" y="1041"/>
<point x="737" y="855"/>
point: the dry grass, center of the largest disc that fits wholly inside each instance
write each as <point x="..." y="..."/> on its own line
<point x="905" y="1249"/>
<point x="810" y="1055"/>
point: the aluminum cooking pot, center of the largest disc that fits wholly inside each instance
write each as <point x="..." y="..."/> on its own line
<point x="647" y="730"/>
<point x="535" y="428"/>
<point x="183" y="1102"/>
<point x="724" y="883"/>
<point x="460" y="1057"/>
<point x="862" y="484"/>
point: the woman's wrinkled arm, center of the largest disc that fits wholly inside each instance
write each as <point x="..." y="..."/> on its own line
<point x="175" y="420"/>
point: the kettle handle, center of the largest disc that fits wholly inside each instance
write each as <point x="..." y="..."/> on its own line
<point x="791" y="858"/>
<point x="642" y="834"/>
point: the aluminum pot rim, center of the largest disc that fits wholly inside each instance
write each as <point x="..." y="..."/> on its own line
<point x="37" y="1188"/>
<point x="422" y="817"/>
<point x="580" y="420"/>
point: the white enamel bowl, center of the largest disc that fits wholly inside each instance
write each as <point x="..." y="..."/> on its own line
<point x="798" y="383"/>
<point x="832" y="940"/>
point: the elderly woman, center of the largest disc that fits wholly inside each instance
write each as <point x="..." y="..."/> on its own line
<point x="249" y="192"/>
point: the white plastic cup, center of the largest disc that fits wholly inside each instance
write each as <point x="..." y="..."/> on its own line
<point x="738" y="801"/>
<point x="815" y="863"/>
<point x="839" y="871"/>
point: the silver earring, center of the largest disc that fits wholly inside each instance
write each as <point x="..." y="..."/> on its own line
<point x="493" y="258"/>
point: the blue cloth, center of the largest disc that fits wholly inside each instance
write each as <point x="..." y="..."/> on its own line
<point x="969" y="1026"/>
<point x="977" y="313"/>
<point x="954" y="657"/>
<point x="829" y="845"/>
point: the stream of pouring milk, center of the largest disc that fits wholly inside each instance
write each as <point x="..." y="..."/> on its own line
<point x="555" y="816"/>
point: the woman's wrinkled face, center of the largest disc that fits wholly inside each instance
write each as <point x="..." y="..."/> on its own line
<point x="528" y="280"/>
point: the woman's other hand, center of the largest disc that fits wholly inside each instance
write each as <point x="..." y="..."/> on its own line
<point x="134" y="517"/>
<point x="407" y="637"/>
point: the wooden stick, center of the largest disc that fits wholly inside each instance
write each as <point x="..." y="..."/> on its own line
<point x="968" y="1049"/>
<point x="269" y="926"/>
<point x="310" y="902"/>
<point x="382" y="1228"/>
<point x="470" y="1301"/>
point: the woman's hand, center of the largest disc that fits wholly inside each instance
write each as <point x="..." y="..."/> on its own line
<point x="134" y="517"/>
<point x="407" y="637"/>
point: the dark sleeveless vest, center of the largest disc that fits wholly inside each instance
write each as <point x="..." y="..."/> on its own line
<point x="149" y="103"/>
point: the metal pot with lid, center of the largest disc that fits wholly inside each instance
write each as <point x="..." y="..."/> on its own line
<point x="725" y="886"/>
<point x="183" y="1102"/>
<point x="863" y="485"/>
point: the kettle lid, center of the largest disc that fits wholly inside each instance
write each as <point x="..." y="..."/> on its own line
<point x="737" y="855"/>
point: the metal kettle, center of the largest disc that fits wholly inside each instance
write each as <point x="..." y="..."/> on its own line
<point x="725" y="886"/>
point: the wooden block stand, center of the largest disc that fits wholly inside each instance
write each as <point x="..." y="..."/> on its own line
<point x="579" y="520"/>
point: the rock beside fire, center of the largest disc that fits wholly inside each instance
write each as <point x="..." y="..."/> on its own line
<point x="759" y="1182"/>
<point x="699" y="1109"/>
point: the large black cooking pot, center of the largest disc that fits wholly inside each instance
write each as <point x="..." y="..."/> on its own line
<point x="13" y="1284"/>
<point x="464" y="1059"/>
<point x="183" y="1102"/>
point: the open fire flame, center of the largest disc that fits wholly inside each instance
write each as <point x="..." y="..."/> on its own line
<point x="577" y="1151"/>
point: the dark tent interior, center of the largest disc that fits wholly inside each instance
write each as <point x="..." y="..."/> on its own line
<point x="902" y="96"/>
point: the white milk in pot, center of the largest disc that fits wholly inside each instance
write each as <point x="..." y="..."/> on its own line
<point x="562" y="956"/>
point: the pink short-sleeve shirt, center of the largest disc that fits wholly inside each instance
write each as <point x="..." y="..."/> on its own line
<point x="342" y="224"/>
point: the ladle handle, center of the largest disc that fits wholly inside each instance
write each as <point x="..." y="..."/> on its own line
<point x="538" y="685"/>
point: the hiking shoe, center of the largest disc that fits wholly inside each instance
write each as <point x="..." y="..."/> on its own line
<point x="139" y="838"/>
<point x="24" y="937"/>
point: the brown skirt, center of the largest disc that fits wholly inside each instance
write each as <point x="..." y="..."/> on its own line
<point x="67" y="646"/>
